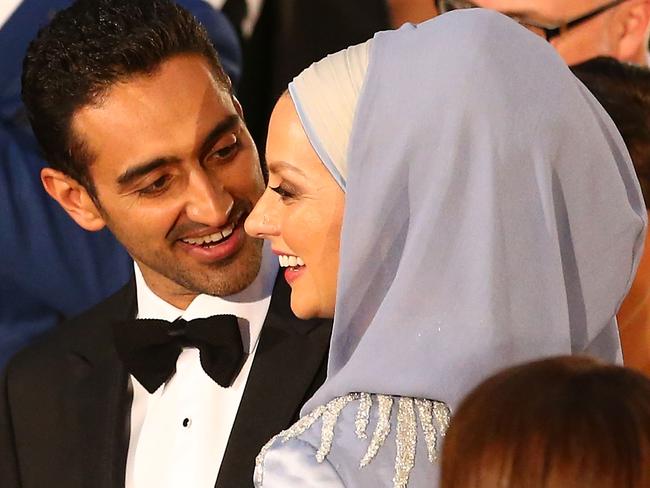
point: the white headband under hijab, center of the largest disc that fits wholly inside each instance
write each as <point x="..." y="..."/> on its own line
<point x="325" y="96"/>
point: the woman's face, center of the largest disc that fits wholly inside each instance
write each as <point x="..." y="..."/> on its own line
<point x="300" y="212"/>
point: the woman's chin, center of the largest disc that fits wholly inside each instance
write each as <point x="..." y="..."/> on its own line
<point x="303" y="315"/>
<point x="307" y="309"/>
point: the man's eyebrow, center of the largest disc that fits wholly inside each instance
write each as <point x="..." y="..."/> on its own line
<point x="279" y="166"/>
<point x="224" y="126"/>
<point x="139" y="170"/>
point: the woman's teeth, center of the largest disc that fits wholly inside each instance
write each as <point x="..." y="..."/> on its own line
<point x="211" y="238"/>
<point x="290" y="261"/>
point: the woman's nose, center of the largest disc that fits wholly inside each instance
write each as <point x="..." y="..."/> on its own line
<point x="262" y="221"/>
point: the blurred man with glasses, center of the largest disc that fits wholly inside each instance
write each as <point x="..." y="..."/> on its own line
<point x="579" y="29"/>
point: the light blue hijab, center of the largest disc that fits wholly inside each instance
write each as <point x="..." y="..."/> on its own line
<point x="492" y="212"/>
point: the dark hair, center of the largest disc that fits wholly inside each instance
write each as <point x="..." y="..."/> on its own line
<point x="624" y="91"/>
<point x="85" y="50"/>
<point x="567" y="422"/>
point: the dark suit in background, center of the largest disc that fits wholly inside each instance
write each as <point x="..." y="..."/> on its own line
<point x="50" y="268"/>
<point x="288" y="37"/>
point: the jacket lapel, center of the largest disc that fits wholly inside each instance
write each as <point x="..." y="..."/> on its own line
<point x="99" y="399"/>
<point x="290" y="364"/>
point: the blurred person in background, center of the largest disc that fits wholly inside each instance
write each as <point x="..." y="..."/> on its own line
<point x="579" y="29"/>
<point x="280" y="38"/>
<point x="624" y="91"/>
<point x="555" y="423"/>
<point x="50" y="268"/>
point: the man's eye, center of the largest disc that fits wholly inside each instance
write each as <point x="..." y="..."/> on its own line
<point x="226" y="152"/>
<point x="156" y="187"/>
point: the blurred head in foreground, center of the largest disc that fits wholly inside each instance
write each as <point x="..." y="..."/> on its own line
<point x="563" y="422"/>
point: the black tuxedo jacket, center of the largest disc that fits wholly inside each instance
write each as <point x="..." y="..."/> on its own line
<point x="65" y="402"/>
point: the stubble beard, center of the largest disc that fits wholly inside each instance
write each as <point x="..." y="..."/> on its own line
<point x="222" y="278"/>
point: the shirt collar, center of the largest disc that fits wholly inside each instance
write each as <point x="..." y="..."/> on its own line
<point x="249" y="305"/>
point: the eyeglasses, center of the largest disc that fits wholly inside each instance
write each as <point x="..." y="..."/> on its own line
<point x="547" y="31"/>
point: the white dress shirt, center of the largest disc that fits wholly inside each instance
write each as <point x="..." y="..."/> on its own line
<point x="179" y="433"/>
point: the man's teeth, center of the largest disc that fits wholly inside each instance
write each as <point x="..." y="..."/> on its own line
<point x="290" y="261"/>
<point x="216" y="237"/>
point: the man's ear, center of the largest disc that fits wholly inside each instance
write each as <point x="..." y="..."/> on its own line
<point x="74" y="199"/>
<point x="632" y="32"/>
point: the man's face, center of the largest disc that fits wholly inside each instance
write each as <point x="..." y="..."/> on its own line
<point x="176" y="174"/>
<point x="590" y="39"/>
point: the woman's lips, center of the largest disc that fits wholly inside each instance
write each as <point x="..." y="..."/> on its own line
<point x="293" y="265"/>
<point x="292" y="274"/>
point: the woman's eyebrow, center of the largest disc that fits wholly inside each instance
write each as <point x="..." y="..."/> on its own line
<point x="279" y="166"/>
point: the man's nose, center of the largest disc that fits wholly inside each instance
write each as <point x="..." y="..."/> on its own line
<point x="208" y="202"/>
<point x="262" y="221"/>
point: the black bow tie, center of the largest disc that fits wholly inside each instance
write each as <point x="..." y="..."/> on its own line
<point x="149" y="348"/>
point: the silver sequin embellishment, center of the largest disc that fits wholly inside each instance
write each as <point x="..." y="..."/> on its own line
<point x="294" y="431"/>
<point x="330" y="416"/>
<point x="433" y="416"/>
<point x="258" y="475"/>
<point x="385" y="406"/>
<point x="303" y="424"/>
<point x="363" y="415"/>
<point x="442" y="415"/>
<point x="425" y="414"/>
<point x="406" y="441"/>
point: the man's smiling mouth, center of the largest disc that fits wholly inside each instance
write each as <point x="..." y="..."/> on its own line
<point x="210" y="239"/>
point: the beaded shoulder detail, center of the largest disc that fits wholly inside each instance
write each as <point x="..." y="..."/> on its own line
<point x="415" y="416"/>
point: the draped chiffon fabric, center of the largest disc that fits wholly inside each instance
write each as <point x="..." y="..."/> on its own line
<point x="492" y="213"/>
<point x="492" y="217"/>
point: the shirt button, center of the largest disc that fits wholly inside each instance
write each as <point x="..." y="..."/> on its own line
<point x="187" y="422"/>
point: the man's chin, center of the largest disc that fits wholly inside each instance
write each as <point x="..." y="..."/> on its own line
<point x="179" y="274"/>
<point x="225" y="277"/>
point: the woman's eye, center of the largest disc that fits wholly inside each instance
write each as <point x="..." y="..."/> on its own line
<point x="156" y="187"/>
<point x="282" y="191"/>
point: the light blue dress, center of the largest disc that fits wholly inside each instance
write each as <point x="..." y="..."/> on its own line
<point x="358" y="440"/>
